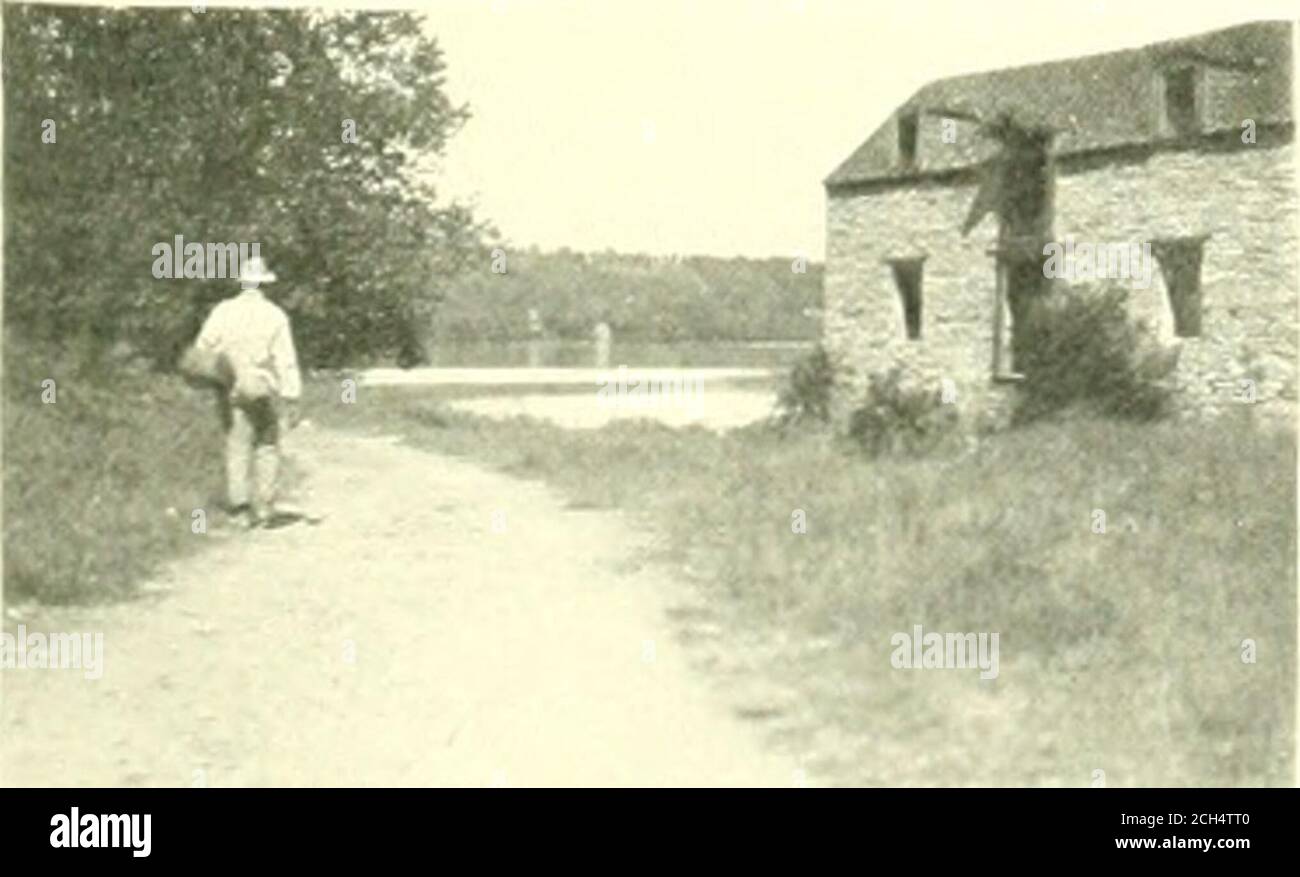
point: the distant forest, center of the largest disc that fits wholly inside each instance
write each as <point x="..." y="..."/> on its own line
<point x="642" y="298"/>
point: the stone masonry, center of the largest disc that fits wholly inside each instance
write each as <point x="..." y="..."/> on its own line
<point x="1243" y="200"/>
<point x="1123" y="169"/>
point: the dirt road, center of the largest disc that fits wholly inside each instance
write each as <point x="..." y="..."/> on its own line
<point x="444" y="626"/>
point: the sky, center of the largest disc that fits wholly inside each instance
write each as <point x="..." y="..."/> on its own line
<point x="708" y="126"/>
<point x="675" y="126"/>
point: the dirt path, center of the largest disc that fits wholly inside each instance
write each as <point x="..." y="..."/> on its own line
<point x="444" y="626"/>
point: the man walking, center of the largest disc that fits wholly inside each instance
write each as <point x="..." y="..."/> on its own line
<point x="250" y="339"/>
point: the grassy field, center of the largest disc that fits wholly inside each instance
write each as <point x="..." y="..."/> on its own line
<point x="100" y="485"/>
<point x="1120" y="652"/>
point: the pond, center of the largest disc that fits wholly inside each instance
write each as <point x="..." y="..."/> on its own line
<point x="579" y="354"/>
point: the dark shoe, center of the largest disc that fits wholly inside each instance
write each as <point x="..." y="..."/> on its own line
<point x="285" y="517"/>
<point x="238" y="517"/>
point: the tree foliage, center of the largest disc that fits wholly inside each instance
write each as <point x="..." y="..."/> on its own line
<point x="226" y="126"/>
<point x="642" y="297"/>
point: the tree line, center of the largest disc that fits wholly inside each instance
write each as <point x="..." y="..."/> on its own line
<point x="641" y="297"/>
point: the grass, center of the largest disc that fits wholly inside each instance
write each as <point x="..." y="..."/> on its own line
<point x="89" y="480"/>
<point x="1120" y="652"/>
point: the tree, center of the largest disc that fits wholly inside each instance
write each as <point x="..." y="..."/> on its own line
<point x="226" y="126"/>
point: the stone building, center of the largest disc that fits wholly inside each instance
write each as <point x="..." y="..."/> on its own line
<point x="938" y="223"/>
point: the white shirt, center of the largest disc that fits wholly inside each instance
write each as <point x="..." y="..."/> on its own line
<point x="254" y="333"/>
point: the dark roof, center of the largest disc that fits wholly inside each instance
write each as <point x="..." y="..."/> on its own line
<point x="1091" y="103"/>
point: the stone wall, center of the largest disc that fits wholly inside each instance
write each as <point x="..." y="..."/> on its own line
<point x="1244" y="199"/>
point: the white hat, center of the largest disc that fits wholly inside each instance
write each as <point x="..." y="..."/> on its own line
<point x="254" y="271"/>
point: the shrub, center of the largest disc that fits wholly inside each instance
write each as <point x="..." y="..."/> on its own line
<point x="806" y="394"/>
<point x="1081" y="349"/>
<point x="897" y="416"/>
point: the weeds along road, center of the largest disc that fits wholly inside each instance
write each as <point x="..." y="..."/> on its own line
<point x="444" y="626"/>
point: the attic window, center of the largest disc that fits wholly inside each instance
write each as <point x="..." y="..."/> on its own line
<point x="907" y="277"/>
<point x="907" y="130"/>
<point x="1182" y="115"/>
<point x="1180" y="265"/>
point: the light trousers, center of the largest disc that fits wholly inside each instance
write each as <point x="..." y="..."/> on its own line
<point x="252" y="449"/>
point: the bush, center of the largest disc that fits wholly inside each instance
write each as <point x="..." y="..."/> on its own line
<point x="806" y="394"/>
<point x="900" y="417"/>
<point x="1081" y="350"/>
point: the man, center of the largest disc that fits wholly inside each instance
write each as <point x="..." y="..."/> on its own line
<point x="250" y="339"/>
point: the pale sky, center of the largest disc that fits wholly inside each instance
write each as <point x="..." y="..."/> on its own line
<point x="707" y="126"/>
<point x="674" y="126"/>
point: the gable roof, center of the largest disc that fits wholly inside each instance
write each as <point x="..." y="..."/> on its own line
<point x="1091" y="103"/>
